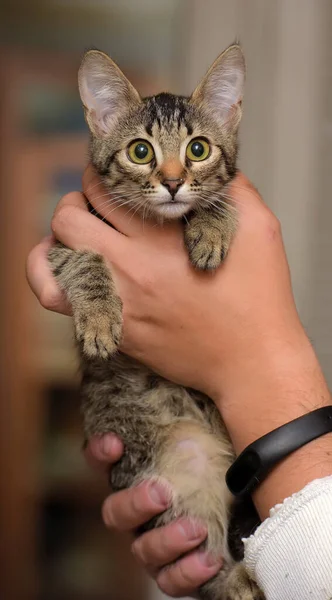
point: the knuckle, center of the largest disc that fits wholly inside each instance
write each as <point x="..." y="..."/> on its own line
<point x="138" y="502"/>
<point x="31" y="268"/>
<point x="107" y="514"/>
<point x="165" y="546"/>
<point x="68" y="200"/>
<point x="146" y="283"/>
<point x="263" y="222"/>
<point x="175" y="580"/>
<point x="137" y="550"/>
<point x="64" y="212"/>
<point x="271" y="226"/>
<point x="187" y="577"/>
<point x="56" y="219"/>
<point x="165" y="583"/>
<point x="90" y="178"/>
<point x="50" y="297"/>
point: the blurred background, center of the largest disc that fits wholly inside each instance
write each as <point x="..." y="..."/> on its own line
<point x="52" y="542"/>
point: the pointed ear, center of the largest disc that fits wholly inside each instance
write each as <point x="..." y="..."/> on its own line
<point x="105" y="92"/>
<point x="221" y="90"/>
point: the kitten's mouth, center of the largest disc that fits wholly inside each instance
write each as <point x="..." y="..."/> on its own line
<point x="172" y="209"/>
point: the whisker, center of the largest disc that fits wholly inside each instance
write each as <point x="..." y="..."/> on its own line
<point x="139" y="205"/>
<point x="210" y="197"/>
<point x="222" y="208"/>
<point x="108" y="202"/>
<point x="102" y="196"/>
<point x="234" y="202"/>
<point x="95" y="211"/>
<point x="117" y="192"/>
<point x="89" y="188"/>
<point x="143" y="215"/>
<point x="218" y="209"/>
<point x="115" y="208"/>
<point x="115" y="200"/>
<point x="231" y="205"/>
<point x="110" y="195"/>
<point x="239" y="187"/>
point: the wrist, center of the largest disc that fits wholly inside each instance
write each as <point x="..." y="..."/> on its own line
<point x="275" y="381"/>
<point x="286" y="383"/>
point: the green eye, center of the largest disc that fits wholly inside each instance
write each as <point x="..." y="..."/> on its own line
<point x="140" y="152"/>
<point x="198" y="149"/>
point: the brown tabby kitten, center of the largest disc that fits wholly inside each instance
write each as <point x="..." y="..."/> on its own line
<point x="168" y="156"/>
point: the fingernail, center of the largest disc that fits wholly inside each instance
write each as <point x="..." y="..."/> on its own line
<point x="159" y="494"/>
<point x="208" y="560"/>
<point x="107" y="444"/>
<point x="192" y="531"/>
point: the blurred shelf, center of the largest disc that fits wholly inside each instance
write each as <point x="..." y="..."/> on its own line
<point x="51" y="523"/>
<point x="66" y="475"/>
<point x="85" y="493"/>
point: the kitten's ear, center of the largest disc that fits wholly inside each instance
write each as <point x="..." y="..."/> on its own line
<point x="221" y="90"/>
<point x="105" y="92"/>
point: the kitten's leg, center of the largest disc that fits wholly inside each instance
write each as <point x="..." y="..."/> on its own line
<point x="208" y="236"/>
<point x="239" y="586"/>
<point x="97" y="310"/>
<point x="195" y="462"/>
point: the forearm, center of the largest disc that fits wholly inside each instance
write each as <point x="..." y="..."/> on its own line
<point x="279" y="383"/>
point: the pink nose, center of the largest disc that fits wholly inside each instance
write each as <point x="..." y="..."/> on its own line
<point x="172" y="185"/>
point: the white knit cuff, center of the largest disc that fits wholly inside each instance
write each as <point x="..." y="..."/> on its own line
<point x="290" y="554"/>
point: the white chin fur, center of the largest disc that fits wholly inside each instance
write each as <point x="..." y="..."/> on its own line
<point x="172" y="210"/>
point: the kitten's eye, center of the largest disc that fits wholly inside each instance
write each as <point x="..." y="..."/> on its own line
<point x="198" y="149"/>
<point x="140" y="152"/>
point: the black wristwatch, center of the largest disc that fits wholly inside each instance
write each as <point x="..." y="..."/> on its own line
<point x="255" y="462"/>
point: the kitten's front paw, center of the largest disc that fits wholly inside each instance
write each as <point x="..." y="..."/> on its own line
<point x="206" y="246"/>
<point x="99" y="332"/>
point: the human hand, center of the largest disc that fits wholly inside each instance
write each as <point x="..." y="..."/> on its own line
<point x="169" y="554"/>
<point x="234" y="334"/>
<point x="194" y="328"/>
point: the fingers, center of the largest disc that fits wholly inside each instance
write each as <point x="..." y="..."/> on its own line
<point x="102" y="452"/>
<point x="75" y="199"/>
<point x="244" y="193"/>
<point x="164" y="545"/>
<point x="112" y="207"/>
<point x="256" y="219"/>
<point x="127" y="510"/>
<point x="185" y="576"/>
<point x="77" y="229"/>
<point x="41" y="280"/>
<point x="40" y="277"/>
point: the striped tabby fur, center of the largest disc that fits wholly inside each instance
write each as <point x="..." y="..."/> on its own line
<point x="169" y="432"/>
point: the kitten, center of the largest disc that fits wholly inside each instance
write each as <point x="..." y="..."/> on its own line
<point x="168" y="156"/>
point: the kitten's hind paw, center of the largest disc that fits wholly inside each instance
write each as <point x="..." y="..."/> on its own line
<point x="239" y="586"/>
<point x="99" y="333"/>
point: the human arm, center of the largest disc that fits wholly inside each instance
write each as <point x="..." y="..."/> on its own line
<point x="257" y="355"/>
<point x="289" y="554"/>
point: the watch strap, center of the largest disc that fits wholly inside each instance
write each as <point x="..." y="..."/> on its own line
<point x="255" y="462"/>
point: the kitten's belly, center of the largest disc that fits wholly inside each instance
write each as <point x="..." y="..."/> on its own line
<point x="140" y="407"/>
<point x="127" y="399"/>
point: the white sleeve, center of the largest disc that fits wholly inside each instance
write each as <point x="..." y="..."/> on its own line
<point x="290" y="554"/>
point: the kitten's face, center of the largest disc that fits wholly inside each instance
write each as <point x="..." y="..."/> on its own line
<point x="165" y="155"/>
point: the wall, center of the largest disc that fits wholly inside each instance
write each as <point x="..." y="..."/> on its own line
<point x="286" y="130"/>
